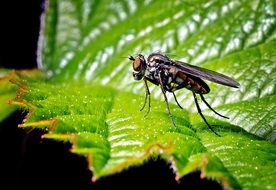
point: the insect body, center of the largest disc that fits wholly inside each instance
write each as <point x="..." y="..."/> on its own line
<point x="172" y="75"/>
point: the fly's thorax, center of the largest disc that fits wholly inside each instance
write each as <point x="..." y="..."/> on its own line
<point x="152" y="74"/>
<point x="155" y="59"/>
<point x="151" y="69"/>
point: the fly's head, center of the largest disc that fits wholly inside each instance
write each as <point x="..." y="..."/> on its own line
<point x="139" y="66"/>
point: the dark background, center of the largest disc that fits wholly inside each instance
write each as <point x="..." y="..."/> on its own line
<point x="19" y="27"/>
<point x="27" y="161"/>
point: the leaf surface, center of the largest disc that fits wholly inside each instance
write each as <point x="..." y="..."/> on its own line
<point x="92" y="100"/>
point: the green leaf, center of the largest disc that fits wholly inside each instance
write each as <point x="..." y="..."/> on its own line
<point x="7" y="92"/>
<point x="92" y="100"/>
<point x="107" y="127"/>
<point x="235" y="38"/>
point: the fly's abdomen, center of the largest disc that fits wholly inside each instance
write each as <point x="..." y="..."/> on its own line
<point x="191" y="83"/>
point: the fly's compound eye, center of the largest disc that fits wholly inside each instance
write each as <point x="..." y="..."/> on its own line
<point x="139" y="66"/>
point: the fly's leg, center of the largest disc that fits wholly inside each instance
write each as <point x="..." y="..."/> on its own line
<point x="176" y="101"/>
<point x="202" y="97"/>
<point x="202" y="116"/>
<point x="146" y="97"/>
<point x="165" y="97"/>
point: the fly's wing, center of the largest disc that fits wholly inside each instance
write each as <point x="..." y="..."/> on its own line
<point x="206" y="74"/>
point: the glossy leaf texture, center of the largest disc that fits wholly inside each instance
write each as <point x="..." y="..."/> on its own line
<point x="8" y="90"/>
<point x="106" y="126"/>
<point x="92" y="100"/>
<point x="90" y="41"/>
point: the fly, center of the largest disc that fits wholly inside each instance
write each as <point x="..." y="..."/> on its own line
<point x="172" y="75"/>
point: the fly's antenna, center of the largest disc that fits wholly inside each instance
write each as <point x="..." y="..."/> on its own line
<point x="130" y="57"/>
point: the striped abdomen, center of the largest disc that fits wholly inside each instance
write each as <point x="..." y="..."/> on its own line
<point x="195" y="84"/>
